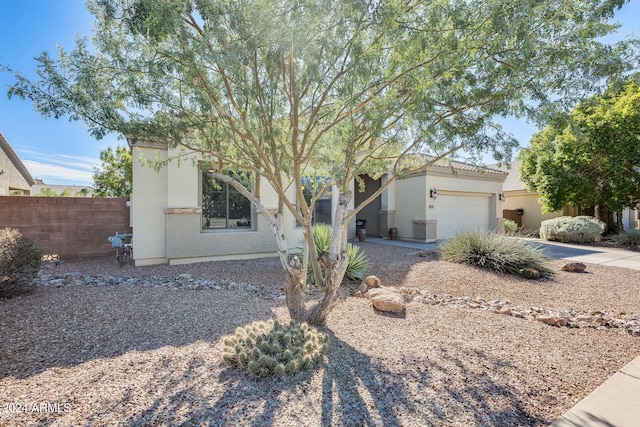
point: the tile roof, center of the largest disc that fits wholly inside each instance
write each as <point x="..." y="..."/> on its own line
<point x="454" y="164"/>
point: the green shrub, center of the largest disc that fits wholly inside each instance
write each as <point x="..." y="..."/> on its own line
<point x="20" y="261"/>
<point x="267" y="349"/>
<point x="358" y="261"/>
<point x="630" y="238"/>
<point x="510" y="227"/>
<point x="498" y="253"/>
<point x="578" y="229"/>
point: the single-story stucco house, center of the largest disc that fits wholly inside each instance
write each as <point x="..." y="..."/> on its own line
<point x="523" y="206"/>
<point x="179" y="217"/>
<point x="14" y="176"/>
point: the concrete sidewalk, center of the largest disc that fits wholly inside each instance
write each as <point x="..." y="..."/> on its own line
<point x="616" y="403"/>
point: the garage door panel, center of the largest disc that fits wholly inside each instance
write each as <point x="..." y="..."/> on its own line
<point x="458" y="213"/>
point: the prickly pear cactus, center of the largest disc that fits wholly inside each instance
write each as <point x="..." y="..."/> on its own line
<point x="267" y="349"/>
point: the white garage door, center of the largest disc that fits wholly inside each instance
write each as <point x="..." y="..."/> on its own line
<point x="458" y="213"/>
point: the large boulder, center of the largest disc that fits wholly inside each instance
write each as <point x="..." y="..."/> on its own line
<point x="387" y="300"/>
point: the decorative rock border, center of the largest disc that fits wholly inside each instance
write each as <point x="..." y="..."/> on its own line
<point x="565" y="318"/>
<point x="182" y="281"/>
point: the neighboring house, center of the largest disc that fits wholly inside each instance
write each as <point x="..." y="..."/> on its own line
<point x="42" y="189"/>
<point x="14" y="176"/>
<point x="523" y="206"/>
<point x="178" y="217"/>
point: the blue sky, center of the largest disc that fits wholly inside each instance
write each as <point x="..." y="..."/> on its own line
<point x="63" y="152"/>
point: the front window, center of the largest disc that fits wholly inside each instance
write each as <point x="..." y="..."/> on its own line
<point x="322" y="208"/>
<point x="223" y="207"/>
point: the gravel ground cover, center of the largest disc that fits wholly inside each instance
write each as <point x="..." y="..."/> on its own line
<point x="150" y="354"/>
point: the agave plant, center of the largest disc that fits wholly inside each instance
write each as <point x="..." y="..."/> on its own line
<point x="358" y="261"/>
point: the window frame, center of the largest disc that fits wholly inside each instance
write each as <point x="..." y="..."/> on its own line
<point x="327" y="196"/>
<point x="226" y="189"/>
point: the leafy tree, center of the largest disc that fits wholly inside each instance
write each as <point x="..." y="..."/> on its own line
<point x="114" y="177"/>
<point x="591" y="158"/>
<point x="47" y="192"/>
<point x="291" y="89"/>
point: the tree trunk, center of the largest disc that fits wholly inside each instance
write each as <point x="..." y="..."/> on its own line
<point x="334" y="265"/>
<point x="619" y="224"/>
<point x="317" y="314"/>
<point x="295" y="298"/>
<point x="604" y="215"/>
<point x="335" y="262"/>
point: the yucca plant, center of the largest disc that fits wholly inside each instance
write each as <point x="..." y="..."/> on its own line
<point x="495" y="252"/>
<point x="359" y="263"/>
<point x="267" y="349"/>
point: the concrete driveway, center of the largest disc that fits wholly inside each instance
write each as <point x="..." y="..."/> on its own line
<point x="612" y="257"/>
<point x="597" y="255"/>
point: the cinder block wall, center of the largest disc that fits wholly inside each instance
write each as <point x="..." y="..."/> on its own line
<point x="70" y="227"/>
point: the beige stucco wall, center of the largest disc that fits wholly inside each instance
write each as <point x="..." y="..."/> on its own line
<point x="167" y="216"/>
<point x="417" y="215"/>
<point x="148" y="201"/>
<point x="411" y="200"/>
<point x="530" y="203"/>
<point x="631" y="218"/>
<point x="11" y="179"/>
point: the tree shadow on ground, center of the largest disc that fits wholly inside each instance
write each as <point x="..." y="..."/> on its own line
<point x="446" y="389"/>
<point x="54" y="329"/>
<point x="348" y="388"/>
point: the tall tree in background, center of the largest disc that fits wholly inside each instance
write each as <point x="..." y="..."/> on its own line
<point x="290" y="89"/>
<point x="592" y="158"/>
<point x="114" y="177"/>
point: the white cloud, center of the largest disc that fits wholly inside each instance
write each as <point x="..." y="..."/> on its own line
<point x="58" y="168"/>
<point x="60" y="174"/>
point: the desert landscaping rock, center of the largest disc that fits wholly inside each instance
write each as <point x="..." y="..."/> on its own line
<point x="530" y="273"/>
<point x="563" y="318"/>
<point x="382" y="298"/>
<point x="372" y="281"/>
<point x="574" y="267"/>
<point x="363" y="288"/>
<point x="182" y="281"/>
<point x="386" y="299"/>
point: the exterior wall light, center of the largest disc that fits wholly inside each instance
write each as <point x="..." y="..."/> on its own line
<point x="433" y="193"/>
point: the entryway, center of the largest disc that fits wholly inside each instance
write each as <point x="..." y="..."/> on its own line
<point x="371" y="212"/>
